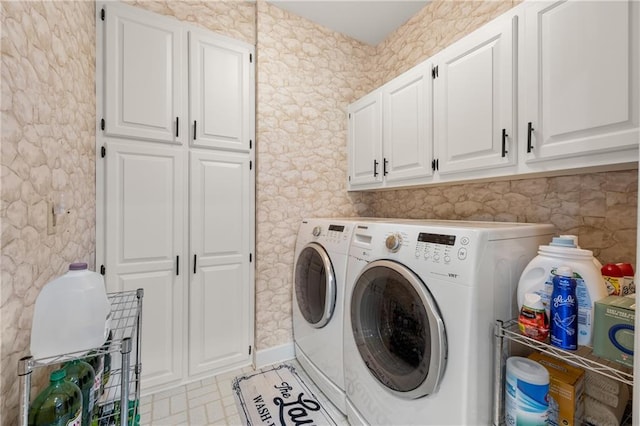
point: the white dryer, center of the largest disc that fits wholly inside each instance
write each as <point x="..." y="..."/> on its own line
<point x="318" y="300"/>
<point x="421" y="301"/>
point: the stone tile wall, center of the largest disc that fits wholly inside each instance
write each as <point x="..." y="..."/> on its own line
<point x="48" y="149"/>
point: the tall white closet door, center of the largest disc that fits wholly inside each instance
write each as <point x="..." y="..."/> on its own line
<point x="220" y="74"/>
<point x="580" y="78"/>
<point x="220" y="291"/>
<point x="145" y="78"/>
<point x="144" y="217"/>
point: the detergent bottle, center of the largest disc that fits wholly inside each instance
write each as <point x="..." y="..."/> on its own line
<point x="538" y="276"/>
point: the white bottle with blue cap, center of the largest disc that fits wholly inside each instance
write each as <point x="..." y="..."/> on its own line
<point x="538" y="276"/>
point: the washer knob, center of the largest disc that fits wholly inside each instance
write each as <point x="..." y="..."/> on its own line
<point x="316" y="231"/>
<point x="393" y="242"/>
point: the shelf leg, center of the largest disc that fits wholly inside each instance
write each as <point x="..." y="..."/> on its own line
<point x="25" y="368"/>
<point x="124" y="383"/>
<point x="497" y="373"/>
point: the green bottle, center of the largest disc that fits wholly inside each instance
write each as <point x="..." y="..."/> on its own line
<point x="59" y="404"/>
<point x="81" y="373"/>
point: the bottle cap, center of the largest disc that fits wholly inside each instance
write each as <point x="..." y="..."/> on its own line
<point x="533" y="301"/>
<point x="57" y="375"/>
<point x="564" y="271"/>
<point x="564" y="241"/>
<point x="611" y="270"/>
<point x="80" y="266"/>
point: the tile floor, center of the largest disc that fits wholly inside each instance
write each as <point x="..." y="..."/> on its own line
<point x="210" y="402"/>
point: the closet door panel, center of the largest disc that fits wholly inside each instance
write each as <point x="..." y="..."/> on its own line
<point x="219" y="312"/>
<point x="144" y="76"/>
<point x="145" y="221"/>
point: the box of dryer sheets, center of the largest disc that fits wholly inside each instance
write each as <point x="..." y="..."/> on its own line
<point x="614" y="328"/>
<point x="566" y="389"/>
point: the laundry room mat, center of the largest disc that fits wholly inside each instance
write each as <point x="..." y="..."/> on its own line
<point x="278" y="396"/>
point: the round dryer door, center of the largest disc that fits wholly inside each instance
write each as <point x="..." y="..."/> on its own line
<point x="398" y="329"/>
<point x="315" y="285"/>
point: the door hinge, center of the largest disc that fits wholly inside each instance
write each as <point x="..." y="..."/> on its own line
<point x="103" y="151"/>
<point x="102" y="124"/>
<point x="249" y="349"/>
<point x="102" y="14"/>
<point x="103" y="270"/>
<point x="434" y="71"/>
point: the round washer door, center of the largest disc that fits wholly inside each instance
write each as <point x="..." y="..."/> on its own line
<point x="315" y="285"/>
<point x="398" y="329"/>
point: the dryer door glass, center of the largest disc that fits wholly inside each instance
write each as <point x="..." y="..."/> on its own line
<point x="398" y="329"/>
<point x="315" y="285"/>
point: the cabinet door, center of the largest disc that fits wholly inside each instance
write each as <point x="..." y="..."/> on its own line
<point x="365" y="141"/>
<point x="221" y="92"/>
<point x="220" y="289"/>
<point x="407" y="142"/>
<point x="580" y="78"/>
<point x="144" y="76"/>
<point x="144" y="241"/>
<point x="474" y="100"/>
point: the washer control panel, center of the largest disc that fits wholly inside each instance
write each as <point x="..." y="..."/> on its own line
<point x="435" y="248"/>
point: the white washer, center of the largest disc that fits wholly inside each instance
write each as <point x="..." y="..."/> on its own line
<point x="420" y="306"/>
<point x="318" y="302"/>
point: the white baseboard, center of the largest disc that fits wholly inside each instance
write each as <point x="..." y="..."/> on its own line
<point x="275" y="354"/>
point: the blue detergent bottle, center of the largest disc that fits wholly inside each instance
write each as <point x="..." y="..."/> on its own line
<point x="564" y="310"/>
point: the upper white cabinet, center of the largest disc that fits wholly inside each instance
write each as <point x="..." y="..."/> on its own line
<point x="168" y="83"/>
<point x="390" y="133"/>
<point x="144" y="75"/>
<point x="407" y="130"/>
<point x="474" y="99"/>
<point x="580" y="80"/>
<point x="220" y="101"/>
<point x="365" y="141"/>
<point x="548" y="87"/>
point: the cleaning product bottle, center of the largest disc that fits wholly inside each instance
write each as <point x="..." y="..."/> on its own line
<point x="526" y="395"/>
<point x="613" y="278"/>
<point x="81" y="374"/>
<point x="564" y="310"/>
<point x="538" y="275"/>
<point x="533" y="320"/>
<point x="59" y="404"/>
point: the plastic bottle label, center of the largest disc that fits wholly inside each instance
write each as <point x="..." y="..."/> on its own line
<point x="526" y="403"/>
<point x="77" y="421"/>
<point x="585" y="304"/>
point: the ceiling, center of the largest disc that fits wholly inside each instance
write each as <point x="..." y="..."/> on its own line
<point x="368" y="21"/>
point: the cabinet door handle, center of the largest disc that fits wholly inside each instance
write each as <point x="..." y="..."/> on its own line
<point x="530" y="130"/>
<point x="195" y="258"/>
<point x="177" y="265"/>
<point x="195" y="129"/>
<point x="384" y="167"/>
<point x="177" y="126"/>
<point x="504" y="143"/>
<point x="375" y="168"/>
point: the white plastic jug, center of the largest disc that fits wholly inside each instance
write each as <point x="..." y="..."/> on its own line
<point x="72" y="314"/>
<point x="537" y="278"/>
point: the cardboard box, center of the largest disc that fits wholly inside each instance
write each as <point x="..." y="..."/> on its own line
<point x="566" y="390"/>
<point x="614" y="319"/>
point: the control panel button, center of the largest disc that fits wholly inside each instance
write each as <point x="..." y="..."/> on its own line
<point x="462" y="253"/>
<point x="447" y="259"/>
<point x="464" y="241"/>
<point x="316" y="231"/>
